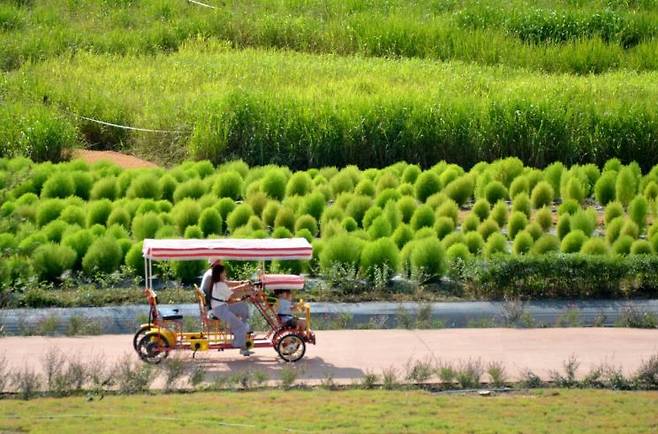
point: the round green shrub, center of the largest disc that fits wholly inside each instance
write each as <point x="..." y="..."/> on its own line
<point x="342" y="182"/>
<point x="304" y="233"/>
<point x="535" y="230"/>
<point x="407" y="206"/>
<point x="495" y="191"/>
<point x="255" y="224"/>
<point x="450" y="174"/>
<point x="613" y="164"/>
<point x="119" y="216"/>
<point x="544" y="218"/>
<point x="7" y="243"/>
<point x="357" y="207"/>
<point x="444" y="226"/>
<point x="349" y="224"/>
<point x="387" y="181"/>
<point x="386" y="196"/>
<point x="542" y="195"/>
<point x="613" y="229"/>
<point x="573" y="188"/>
<point x="625" y="186"/>
<point x="134" y="259"/>
<point x="54" y="230"/>
<point x="460" y="190"/>
<point x="630" y="228"/>
<point x="58" y="185"/>
<point x="49" y="210"/>
<point x="402" y="235"/>
<point x="27" y="199"/>
<point x="428" y="258"/>
<point x="313" y="204"/>
<point x="458" y="251"/>
<point x="285" y="218"/>
<point x="97" y="230"/>
<point x="210" y="222"/>
<point x="422" y="217"/>
<point x="51" y="260"/>
<point x="573" y="241"/>
<point x="299" y="184"/>
<point x="406" y="189"/>
<point x="623" y="245"/>
<point x="342" y="250"/>
<point x="523" y="243"/>
<point x="641" y="247"/>
<point x="517" y="222"/>
<point x="274" y="184"/>
<point x="481" y="208"/>
<point x="79" y="241"/>
<point x="499" y="213"/>
<point x="146" y="205"/>
<point x="380" y="227"/>
<point x="145" y="226"/>
<point x="168" y="186"/>
<point x="193" y="231"/>
<point x="437" y="199"/>
<point x="145" y="186"/>
<point x="594" y="246"/>
<point x="229" y="185"/>
<point x="27" y="245"/>
<point x="651" y="191"/>
<point x="426" y="185"/>
<point x="186" y="213"/>
<point x="470" y="223"/>
<point x="612" y="211"/>
<point x="258" y="202"/>
<point x="240" y="216"/>
<point x="118" y="232"/>
<point x="105" y="188"/>
<point x="545" y="244"/>
<point x="448" y="209"/>
<point x="188" y="271"/>
<point x="192" y="189"/>
<point x="411" y="173"/>
<point x="376" y="256"/>
<point x="518" y="186"/>
<point x="585" y="220"/>
<point x="569" y="206"/>
<point x="638" y="209"/>
<point x="371" y="215"/>
<point x="167" y="231"/>
<point x="98" y="211"/>
<point x="604" y="189"/>
<point x="496" y="244"/>
<point x="424" y="233"/>
<point x="521" y="203"/>
<point x="487" y="228"/>
<point x="452" y="238"/>
<point x="224" y="206"/>
<point x="366" y="188"/>
<point x="393" y="214"/>
<point x="474" y="242"/>
<point x="563" y="226"/>
<point x="270" y="211"/>
<point x="307" y="222"/>
<point x="654" y="243"/>
<point x="83" y="183"/>
<point x="73" y="215"/>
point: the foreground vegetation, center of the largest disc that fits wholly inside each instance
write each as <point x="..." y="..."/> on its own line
<point x="500" y="229"/>
<point x="564" y="36"/>
<point x="305" y="111"/>
<point x="345" y="411"/>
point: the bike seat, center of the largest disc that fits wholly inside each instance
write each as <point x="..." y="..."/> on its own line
<point x="170" y="314"/>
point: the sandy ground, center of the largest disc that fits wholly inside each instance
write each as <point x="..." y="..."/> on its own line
<point x="121" y="160"/>
<point x="348" y="354"/>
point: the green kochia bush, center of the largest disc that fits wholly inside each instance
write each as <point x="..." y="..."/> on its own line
<point x="146" y="226"/>
<point x="104" y="256"/>
<point x="48" y="211"/>
<point x="426" y="185"/>
<point x="542" y="195"/>
<point x="210" y="222"/>
<point x="379" y="256"/>
<point x="186" y="213"/>
<point x="105" y="188"/>
<point x="98" y="212"/>
<point x="59" y="185"/>
<point x="428" y="258"/>
<point x="145" y="186"/>
<point x="228" y="184"/>
<point x="51" y="260"/>
<point x="573" y="241"/>
<point x="342" y="250"/>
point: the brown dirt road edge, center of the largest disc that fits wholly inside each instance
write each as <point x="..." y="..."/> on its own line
<point x="122" y="160"/>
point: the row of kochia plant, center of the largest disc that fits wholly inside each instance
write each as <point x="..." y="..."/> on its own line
<point x="92" y="218"/>
<point x="560" y="36"/>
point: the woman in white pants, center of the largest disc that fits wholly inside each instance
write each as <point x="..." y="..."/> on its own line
<point x="223" y="296"/>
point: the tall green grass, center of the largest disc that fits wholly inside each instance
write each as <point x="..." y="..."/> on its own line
<point x="582" y="37"/>
<point x="302" y="110"/>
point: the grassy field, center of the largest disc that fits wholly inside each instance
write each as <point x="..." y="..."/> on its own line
<point x="347" y="411"/>
<point x="306" y="110"/>
<point x="565" y="36"/>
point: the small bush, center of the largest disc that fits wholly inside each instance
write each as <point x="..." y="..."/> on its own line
<point x="145" y="226"/>
<point x="229" y="185"/>
<point x="496" y="243"/>
<point x="637" y="210"/>
<point x="104" y="255"/>
<point x="54" y="230"/>
<point x="522" y="204"/>
<point x="546" y="244"/>
<point x="428" y="258"/>
<point x="51" y="260"/>
<point x="518" y="221"/>
<point x="604" y="189"/>
<point x="224" y="206"/>
<point x="458" y="250"/>
<point x="460" y="190"/>
<point x="58" y="185"/>
<point x="470" y="223"/>
<point x="299" y="184"/>
<point x="523" y="243"/>
<point x="474" y="242"/>
<point x="186" y="213"/>
<point x="497" y="374"/>
<point x="584" y="220"/>
<point x="105" y="188"/>
<point x="357" y="208"/>
<point x="379" y="255"/>
<point x="422" y="217"/>
<point x="444" y="226"/>
<point x="487" y="228"/>
<point x="210" y="222"/>
<point x="625" y="186"/>
<point x="308" y="222"/>
<point x="573" y="241"/>
<point x="481" y="209"/>
<point x="499" y="213"/>
<point x="568" y="206"/>
<point x="519" y="185"/>
<point x="73" y="215"/>
<point x="426" y="185"/>
<point x="366" y="188"/>
<point x="622" y="246"/>
<point x="192" y="189"/>
<point x="612" y="211"/>
<point x="573" y="189"/>
<point x="274" y="184"/>
<point x="451" y="210"/>
<point x="167" y="185"/>
<point x="49" y="210"/>
<point x="403" y="234"/>
<point x="98" y="212"/>
<point x="563" y="226"/>
<point x="495" y="191"/>
<point x="379" y="228"/>
<point x="407" y="206"/>
<point x="641" y="247"/>
<point x="542" y="195"/>
<point x="349" y="224"/>
<point x="594" y="246"/>
<point x="544" y="218"/>
<point x="630" y="228"/>
<point x="469" y="374"/>
<point x="343" y="250"/>
<point x="313" y="204"/>
<point x="145" y="186"/>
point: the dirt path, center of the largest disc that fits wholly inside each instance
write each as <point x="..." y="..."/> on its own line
<point x="349" y="354"/>
<point x="122" y="160"/>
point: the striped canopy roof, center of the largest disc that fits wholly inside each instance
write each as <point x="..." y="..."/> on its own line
<point x="228" y="248"/>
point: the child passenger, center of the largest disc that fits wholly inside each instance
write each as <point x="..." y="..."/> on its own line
<point x="286" y="309"/>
